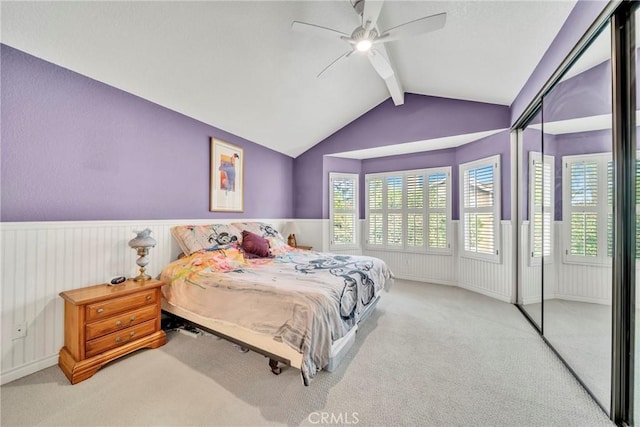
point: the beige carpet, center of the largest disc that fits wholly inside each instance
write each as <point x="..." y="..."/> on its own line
<point x="429" y="356"/>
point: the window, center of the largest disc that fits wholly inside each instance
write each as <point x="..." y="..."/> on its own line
<point x="588" y="208"/>
<point x="541" y="206"/>
<point x="343" y="210"/>
<point x="587" y="195"/>
<point x="410" y="210"/>
<point x="480" y="208"/>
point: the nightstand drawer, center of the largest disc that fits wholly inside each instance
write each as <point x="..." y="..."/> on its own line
<point x="104" y="309"/>
<point x="116" y="339"/>
<point x="120" y="321"/>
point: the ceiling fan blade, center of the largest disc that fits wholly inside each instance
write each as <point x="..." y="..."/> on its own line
<point x="378" y="58"/>
<point x="316" y="30"/>
<point x="344" y="55"/>
<point x="371" y="13"/>
<point x="380" y="64"/>
<point x="414" y="28"/>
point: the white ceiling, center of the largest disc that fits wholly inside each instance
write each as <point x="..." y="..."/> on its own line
<point x="238" y="66"/>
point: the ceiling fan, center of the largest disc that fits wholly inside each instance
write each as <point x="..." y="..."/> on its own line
<point x="368" y="40"/>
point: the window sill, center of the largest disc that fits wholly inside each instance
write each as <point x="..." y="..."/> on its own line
<point x="443" y="252"/>
<point x="344" y="247"/>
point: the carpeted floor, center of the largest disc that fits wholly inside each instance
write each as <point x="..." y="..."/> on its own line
<point x="429" y="356"/>
<point x="581" y="333"/>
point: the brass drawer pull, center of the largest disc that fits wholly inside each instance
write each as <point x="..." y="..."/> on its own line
<point x="148" y="297"/>
<point x="132" y="334"/>
<point x="119" y="339"/>
<point x="118" y="323"/>
<point x="133" y="319"/>
<point x="100" y="310"/>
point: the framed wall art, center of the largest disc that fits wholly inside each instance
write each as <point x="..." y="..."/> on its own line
<point x="227" y="177"/>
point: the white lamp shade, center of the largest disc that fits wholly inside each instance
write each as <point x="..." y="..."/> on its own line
<point x="290" y="227"/>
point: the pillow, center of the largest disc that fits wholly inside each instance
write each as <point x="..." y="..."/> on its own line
<point x="255" y="245"/>
<point x="194" y="238"/>
<point x="260" y="228"/>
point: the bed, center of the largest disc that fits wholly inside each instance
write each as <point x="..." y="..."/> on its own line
<point x="241" y="281"/>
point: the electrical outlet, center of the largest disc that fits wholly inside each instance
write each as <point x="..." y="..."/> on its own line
<point x="19" y="330"/>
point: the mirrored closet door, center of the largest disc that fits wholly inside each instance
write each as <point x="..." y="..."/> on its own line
<point x="566" y="218"/>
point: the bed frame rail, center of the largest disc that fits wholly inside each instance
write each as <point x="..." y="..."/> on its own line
<point x="273" y="358"/>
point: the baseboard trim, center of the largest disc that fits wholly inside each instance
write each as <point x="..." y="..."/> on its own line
<point x="600" y="301"/>
<point x="425" y="280"/>
<point x="28" y="369"/>
<point x="501" y="297"/>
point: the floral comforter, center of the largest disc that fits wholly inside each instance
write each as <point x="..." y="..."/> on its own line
<point x="305" y="299"/>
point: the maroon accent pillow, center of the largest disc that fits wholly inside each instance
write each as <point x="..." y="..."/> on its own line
<point x="255" y="245"/>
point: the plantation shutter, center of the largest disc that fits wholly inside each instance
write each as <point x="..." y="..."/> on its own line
<point x="541" y="204"/>
<point x="343" y="208"/>
<point x="479" y="202"/>
<point x="409" y="210"/>
<point x="375" y="211"/>
<point x="438" y="195"/>
<point x="583" y="202"/>
<point x="415" y="210"/>
<point x="394" y="211"/>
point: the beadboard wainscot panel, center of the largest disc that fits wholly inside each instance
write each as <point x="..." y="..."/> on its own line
<point x="581" y="282"/>
<point x="422" y="267"/>
<point x="309" y="232"/>
<point x="569" y="281"/>
<point x="419" y="267"/>
<point x="532" y="275"/>
<point x="491" y="278"/>
<point x="42" y="259"/>
<point x="530" y="291"/>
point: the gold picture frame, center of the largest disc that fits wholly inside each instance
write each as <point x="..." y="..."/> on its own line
<point x="226" y="177"/>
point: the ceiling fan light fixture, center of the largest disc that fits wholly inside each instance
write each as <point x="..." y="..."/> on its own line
<point x="363" y="45"/>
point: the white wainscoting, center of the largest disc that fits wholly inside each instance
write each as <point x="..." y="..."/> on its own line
<point x="422" y="267"/>
<point x="491" y="278"/>
<point x="574" y="282"/>
<point x="531" y="275"/>
<point x="41" y="259"/>
<point x="580" y="282"/>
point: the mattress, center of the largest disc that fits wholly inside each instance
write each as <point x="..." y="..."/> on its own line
<point x="308" y="301"/>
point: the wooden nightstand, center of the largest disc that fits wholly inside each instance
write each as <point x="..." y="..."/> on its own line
<point x="102" y="323"/>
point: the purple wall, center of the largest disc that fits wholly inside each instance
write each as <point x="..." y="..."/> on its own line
<point x="578" y="22"/>
<point x="421" y="117"/>
<point x="77" y="149"/>
<point x="584" y="95"/>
